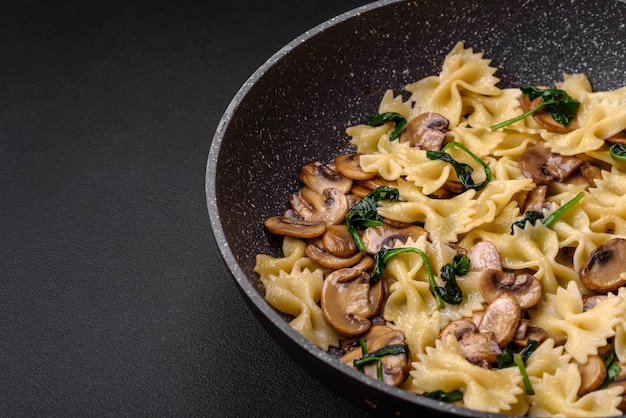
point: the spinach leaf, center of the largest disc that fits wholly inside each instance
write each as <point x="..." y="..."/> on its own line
<point x="381" y="118"/>
<point x="613" y="369"/>
<point x="509" y="359"/>
<point x="463" y="171"/>
<point x="618" y="151"/>
<point x="550" y="220"/>
<point x="561" y="106"/>
<point x="440" y="395"/>
<point x="384" y="254"/>
<point x="364" y="214"/>
<point x="451" y="292"/>
<point x="531" y="216"/>
<point x="377" y="355"/>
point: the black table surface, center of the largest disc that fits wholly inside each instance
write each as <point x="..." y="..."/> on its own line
<point x="114" y="300"/>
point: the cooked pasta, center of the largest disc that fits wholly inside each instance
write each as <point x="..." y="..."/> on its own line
<point x="551" y="225"/>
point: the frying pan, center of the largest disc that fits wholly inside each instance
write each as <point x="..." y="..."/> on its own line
<point x="295" y="108"/>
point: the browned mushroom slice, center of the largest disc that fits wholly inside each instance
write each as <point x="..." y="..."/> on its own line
<point x="590" y="173"/>
<point x="377" y="237"/>
<point x="526" y="332"/>
<point x="319" y="176"/>
<point x="484" y="256"/>
<point x="345" y="300"/>
<point x="449" y="189"/>
<point x="543" y="118"/>
<point x="592" y="374"/>
<point x="618" y="138"/>
<point x="395" y="367"/>
<point x="605" y="270"/>
<point x="480" y="348"/>
<point x="317" y="252"/>
<point x="374" y="183"/>
<point x="338" y="241"/>
<point x="543" y="166"/>
<point x="366" y="264"/>
<point x="350" y="166"/>
<point x="331" y="206"/>
<point x="458" y="328"/>
<point x="590" y="301"/>
<point x="283" y="225"/>
<point x="501" y="317"/>
<point x="525" y="288"/>
<point x="536" y="199"/>
<point x="426" y="131"/>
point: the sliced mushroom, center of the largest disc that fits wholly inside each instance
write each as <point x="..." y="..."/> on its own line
<point x="395" y="367"/>
<point x="525" y="288"/>
<point x="345" y="301"/>
<point x="590" y="301"/>
<point x="458" y="328"/>
<point x="426" y="131"/>
<point x="374" y="183"/>
<point x="590" y="173"/>
<point x="544" y="166"/>
<point x="449" y="189"/>
<point x="319" y="176"/>
<point x="618" y="138"/>
<point x="605" y="270"/>
<point x="300" y="228"/>
<point x="526" y="332"/>
<point x="331" y="206"/>
<point x="338" y="241"/>
<point x="592" y="374"/>
<point x="350" y="166"/>
<point x="480" y="348"/>
<point x="536" y="199"/>
<point x="543" y="118"/>
<point x="377" y="237"/>
<point x="366" y="264"/>
<point x="501" y="317"/>
<point x="484" y="256"/>
<point x="318" y="252"/>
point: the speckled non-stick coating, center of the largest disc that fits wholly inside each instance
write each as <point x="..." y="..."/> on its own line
<point x="296" y="108"/>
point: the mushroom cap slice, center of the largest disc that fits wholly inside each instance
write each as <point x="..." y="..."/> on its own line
<point x="458" y="328"/>
<point x="543" y="166"/>
<point x="605" y="270"/>
<point x="592" y="374"/>
<point x="376" y="237"/>
<point x="317" y="252"/>
<point x="501" y="317"/>
<point x="338" y="241"/>
<point x="345" y="300"/>
<point x="525" y="288"/>
<point x="299" y="228"/>
<point x="319" y="176"/>
<point x="426" y="131"/>
<point x="350" y="166"/>
<point x="484" y="255"/>
<point x="480" y="348"/>
<point x="331" y="206"/>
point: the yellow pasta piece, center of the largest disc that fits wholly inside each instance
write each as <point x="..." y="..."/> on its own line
<point x="443" y="367"/>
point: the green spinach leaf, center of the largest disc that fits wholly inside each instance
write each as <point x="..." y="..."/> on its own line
<point x="561" y="106"/>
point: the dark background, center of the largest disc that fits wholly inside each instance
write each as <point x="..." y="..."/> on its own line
<point x="114" y="300"/>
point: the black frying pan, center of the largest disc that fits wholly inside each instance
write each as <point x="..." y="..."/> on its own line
<point x="295" y="108"/>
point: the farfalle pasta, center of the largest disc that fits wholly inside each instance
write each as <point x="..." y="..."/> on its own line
<point x="472" y="249"/>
